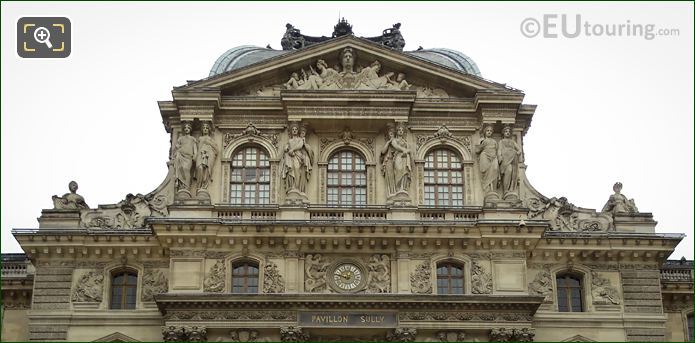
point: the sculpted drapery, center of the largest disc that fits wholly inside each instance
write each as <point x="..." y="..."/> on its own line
<point x="297" y="161"/>
<point x="186" y="152"/>
<point x="508" y="156"/>
<point x="396" y="160"/>
<point x="207" y="153"/>
<point x="487" y="162"/>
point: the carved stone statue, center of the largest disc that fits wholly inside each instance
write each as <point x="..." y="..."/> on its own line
<point x="186" y="152"/>
<point x="396" y="163"/>
<point x="89" y="288"/>
<point x="508" y="153"/>
<point x="487" y="162"/>
<point x="379" y="274"/>
<point x="70" y="201"/>
<point x="315" y="273"/>
<point x="618" y="203"/>
<point x="205" y="160"/>
<point x="297" y="162"/>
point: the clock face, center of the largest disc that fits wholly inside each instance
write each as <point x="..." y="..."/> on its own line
<point x="347" y="276"/>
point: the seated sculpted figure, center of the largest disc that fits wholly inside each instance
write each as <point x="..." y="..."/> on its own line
<point x="619" y="203"/>
<point x="70" y="201"/>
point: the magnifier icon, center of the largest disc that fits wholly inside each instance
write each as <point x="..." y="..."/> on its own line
<point x="43" y="36"/>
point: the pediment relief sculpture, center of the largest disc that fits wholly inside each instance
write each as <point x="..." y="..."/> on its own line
<point x="130" y="213"/>
<point x="443" y="134"/>
<point x="250" y="132"/>
<point x="564" y="216"/>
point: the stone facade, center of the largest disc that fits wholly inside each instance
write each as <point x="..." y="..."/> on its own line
<point x="341" y="220"/>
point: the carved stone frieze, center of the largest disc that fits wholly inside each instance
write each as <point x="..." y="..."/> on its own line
<point x="250" y="132"/>
<point x="293" y="334"/>
<point x="315" y="266"/>
<point x="347" y="137"/>
<point x="232" y="315"/>
<point x="542" y="284"/>
<point x="272" y="280"/>
<point x="216" y="255"/>
<point x="184" y="334"/>
<point x="602" y="291"/>
<point x="127" y="214"/>
<point x="442" y="134"/>
<point x="450" y="336"/>
<point x="89" y="288"/>
<point x="421" y="279"/>
<point x="430" y="92"/>
<point x="464" y="316"/>
<point x="512" y="335"/>
<point x="240" y="335"/>
<point x="379" y="279"/>
<point x="481" y="281"/>
<point x="564" y="216"/>
<point x="214" y="280"/>
<point x="402" y="335"/>
<point x="154" y="281"/>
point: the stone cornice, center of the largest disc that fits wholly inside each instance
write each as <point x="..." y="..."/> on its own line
<point x="519" y="303"/>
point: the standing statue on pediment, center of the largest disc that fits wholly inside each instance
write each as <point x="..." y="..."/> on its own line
<point x="487" y="162"/>
<point x="186" y="152"/>
<point x="70" y="201"/>
<point x="205" y="161"/>
<point x="508" y="154"/>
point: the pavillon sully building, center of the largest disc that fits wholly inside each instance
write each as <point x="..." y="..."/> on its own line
<point x="342" y="189"/>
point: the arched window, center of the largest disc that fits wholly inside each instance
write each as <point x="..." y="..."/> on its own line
<point x="347" y="179"/>
<point x="449" y="278"/>
<point x="124" y="287"/>
<point x="250" y="181"/>
<point x="443" y="179"/>
<point x="245" y="277"/>
<point x="569" y="292"/>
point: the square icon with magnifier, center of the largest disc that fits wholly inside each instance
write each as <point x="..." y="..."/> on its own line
<point x="43" y="37"/>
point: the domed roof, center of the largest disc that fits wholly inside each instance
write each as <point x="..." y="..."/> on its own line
<point x="448" y="58"/>
<point x="244" y="55"/>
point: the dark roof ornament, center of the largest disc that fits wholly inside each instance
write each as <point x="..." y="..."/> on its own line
<point x="342" y="28"/>
<point x="293" y="39"/>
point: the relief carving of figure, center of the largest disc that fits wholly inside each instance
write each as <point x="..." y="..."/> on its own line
<point x="315" y="273"/>
<point x="602" y="291"/>
<point x="70" y="201"/>
<point x="481" y="281"/>
<point x="618" y="203"/>
<point x="542" y="284"/>
<point x="421" y="279"/>
<point x="205" y="160"/>
<point x="297" y="161"/>
<point x="214" y="281"/>
<point x="508" y="155"/>
<point x="396" y="161"/>
<point x="89" y="288"/>
<point x="186" y="152"/>
<point x="379" y="274"/>
<point x="154" y="282"/>
<point x="488" y="163"/>
<point x="272" y="280"/>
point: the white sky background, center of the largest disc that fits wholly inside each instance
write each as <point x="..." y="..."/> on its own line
<point x="610" y="108"/>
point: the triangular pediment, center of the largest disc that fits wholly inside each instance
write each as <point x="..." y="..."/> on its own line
<point x="269" y="76"/>
<point x="116" y="337"/>
<point x="578" y="338"/>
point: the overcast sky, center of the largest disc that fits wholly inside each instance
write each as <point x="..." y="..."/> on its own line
<point x="610" y="108"/>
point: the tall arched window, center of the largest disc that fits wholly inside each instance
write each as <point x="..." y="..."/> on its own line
<point x="245" y="277"/>
<point x="569" y="292"/>
<point x="347" y="179"/>
<point x="124" y="287"/>
<point x="449" y="278"/>
<point x="443" y="179"/>
<point x="250" y="181"/>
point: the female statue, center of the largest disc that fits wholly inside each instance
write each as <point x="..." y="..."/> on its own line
<point x="402" y="161"/>
<point x="386" y="155"/>
<point x="186" y="152"/>
<point x="488" y="164"/>
<point x="207" y="152"/>
<point x="508" y="155"/>
<point x="296" y="162"/>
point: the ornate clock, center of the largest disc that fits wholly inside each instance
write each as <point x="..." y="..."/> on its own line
<point x="348" y="277"/>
